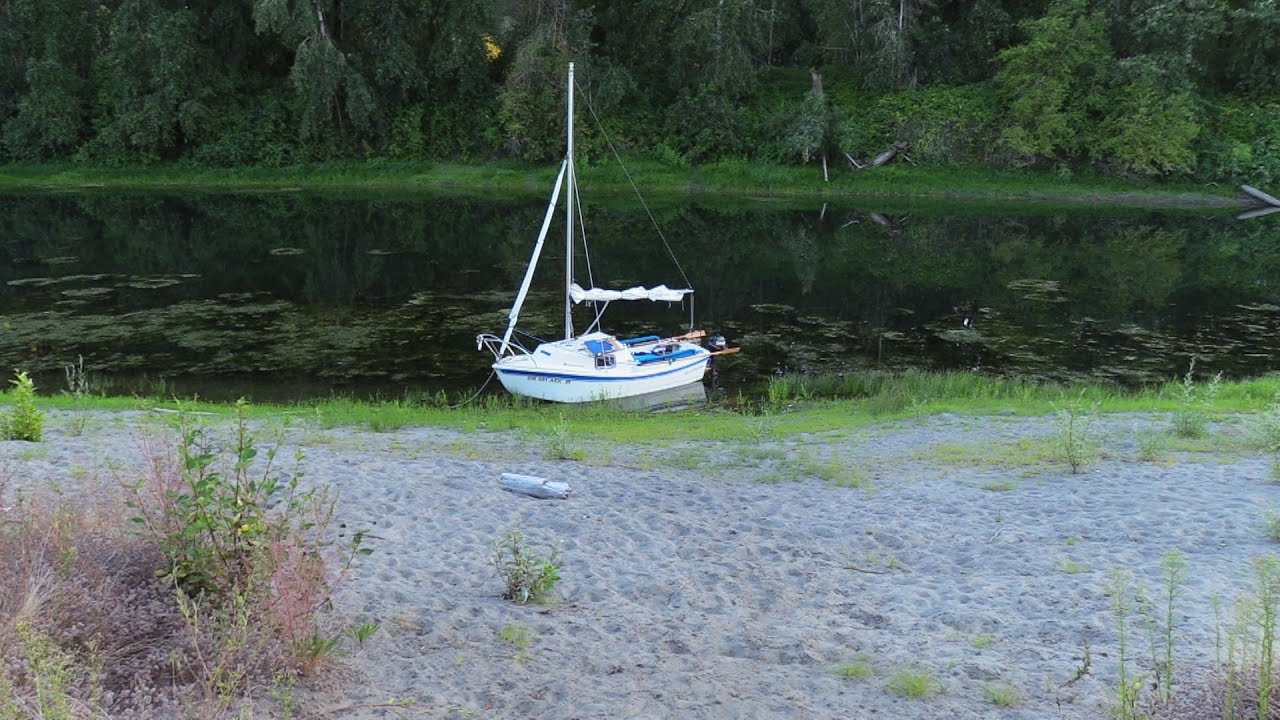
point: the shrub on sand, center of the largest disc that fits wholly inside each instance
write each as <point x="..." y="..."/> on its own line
<point x="88" y="629"/>
<point x="526" y="575"/>
<point x="24" y="421"/>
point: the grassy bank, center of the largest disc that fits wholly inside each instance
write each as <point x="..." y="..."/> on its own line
<point x="790" y="406"/>
<point x="729" y="179"/>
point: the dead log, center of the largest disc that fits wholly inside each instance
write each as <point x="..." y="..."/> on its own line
<point x="854" y="163"/>
<point x="534" y="486"/>
<point x="891" y="153"/>
<point x="1260" y="196"/>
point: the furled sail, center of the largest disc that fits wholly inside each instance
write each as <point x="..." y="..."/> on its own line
<point x="659" y="293"/>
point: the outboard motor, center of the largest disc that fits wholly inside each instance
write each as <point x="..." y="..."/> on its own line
<point x="716" y="343"/>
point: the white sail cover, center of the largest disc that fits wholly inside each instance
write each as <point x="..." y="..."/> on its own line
<point x="659" y="293"/>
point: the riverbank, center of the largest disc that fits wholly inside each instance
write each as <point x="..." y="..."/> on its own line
<point x="937" y="565"/>
<point x="727" y="179"/>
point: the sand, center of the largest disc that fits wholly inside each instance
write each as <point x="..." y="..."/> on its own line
<point x="714" y="580"/>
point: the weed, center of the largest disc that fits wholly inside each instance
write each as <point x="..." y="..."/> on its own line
<point x="1191" y="417"/>
<point x="1152" y="447"/>
<point x="858" y="669"/>
<point x="24" y="421"/>
<point x="1001" y="695"/>
<point x="525" y="575"/>
<point x="361" y="633"/>
<point x="1075" y="444"/>
<point x="1266" y="435"/>
<point x="1161" y="625"/>
<point x="1271" y="524"/>
<point x="914" y="683"/>
<point x="1000" y="485"/>
<point x="1128" y="689"/>
<point x="559" y="443"/>
<point x="78" y="390"/>
<point x="1071" y="567"/>
<point x="519" y="637"/>
<point x="982" y="641"/>
<point x="1267" y="570"/>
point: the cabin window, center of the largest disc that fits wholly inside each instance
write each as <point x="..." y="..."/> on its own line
<point x="606" y="361"/>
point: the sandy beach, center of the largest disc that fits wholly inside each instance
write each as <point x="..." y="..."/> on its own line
<point x="730" y="580"/>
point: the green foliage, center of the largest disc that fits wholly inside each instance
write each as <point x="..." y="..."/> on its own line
<point x="914" y="683"/>
<point x="215" y="524"/>
<point x="526" y="575"/>
<point x="1052" y="83"/>
<point x="23" y="421"/>
<point x="1242" y="141"/>
<point x="857" y="669"/>
<point x="1151" y="125"/>
<point x="1000" y="695"/>
<point x="1191" y="417"/>
<point x="146" y="108"/>
<point x="809" y="128"/>
<point x="1075" y="443"/>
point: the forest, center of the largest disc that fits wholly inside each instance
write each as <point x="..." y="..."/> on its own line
<point x="1177" y="89"/>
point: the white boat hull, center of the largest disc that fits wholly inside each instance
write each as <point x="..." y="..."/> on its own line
<point x="586" y="384"/>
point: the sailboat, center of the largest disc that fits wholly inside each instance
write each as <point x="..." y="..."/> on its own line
<point x="593" y="365"/>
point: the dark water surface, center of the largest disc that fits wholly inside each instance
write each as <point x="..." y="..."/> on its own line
<point x="291" y="296"/>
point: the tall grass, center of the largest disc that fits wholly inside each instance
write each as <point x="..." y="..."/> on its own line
<point x="956" y="184"/>
<point x="89" y="628"/>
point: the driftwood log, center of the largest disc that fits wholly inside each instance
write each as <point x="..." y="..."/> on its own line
<point x="893" y="152"/>
<point x="898" y="149"/>
<point x="1269" y="204"/>
<point x="534" y="486"/>
<point x="1260" y="196"/>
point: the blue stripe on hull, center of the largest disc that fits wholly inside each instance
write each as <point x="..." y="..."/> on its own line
<point x="594" y="378"/>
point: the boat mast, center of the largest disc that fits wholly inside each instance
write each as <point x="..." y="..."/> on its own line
<point x="568" y="220"/>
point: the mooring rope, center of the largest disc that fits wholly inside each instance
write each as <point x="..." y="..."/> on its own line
<point x="473" y="397"/>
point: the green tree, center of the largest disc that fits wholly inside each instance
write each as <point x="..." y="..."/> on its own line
<point x="1052" y="83"/>
<point x="811" y="127"/>
<point x="334" y="99"/>
<point x="155" y="79"/>
<point x="48" y="65"/>
<point x="1252" y="62"/>
<point x="1151" y="124"/>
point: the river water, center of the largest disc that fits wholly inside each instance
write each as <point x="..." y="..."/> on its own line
<point x="292" y="295"/>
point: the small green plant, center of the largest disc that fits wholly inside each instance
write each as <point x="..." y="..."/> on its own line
<point x="1075" y="443"/>
<point x="1152" y="446"/>
<point x="78" y="391"/>
<point x="1071" y="567"/>
<point x="519" y="637"/>
<point x="858" y="669"/>
<point x="1128" y="688"/>
<point x="1000" y="486"/>
<point x="914" y="683"/>
<point x="361" y="633"/>
<point x="1271" y="524"/>
<point x="526" y="575"/>
<point x="23" y="421"/>
<point x="1174" y="574"/>
<point x="1266" y="435"/>
<point x="1000" y="695"/>
<point x="1191" y="418"/>
<point x="559" y="443"/>
<point x="1267" y="571"/>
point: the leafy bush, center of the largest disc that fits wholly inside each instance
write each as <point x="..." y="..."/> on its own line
<point x="1191" y="418"/>
<point x="526" y="575"/>
<point x="24" y="421"/>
